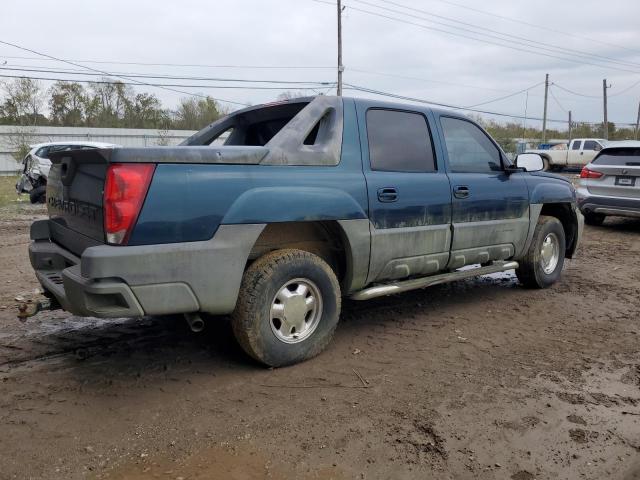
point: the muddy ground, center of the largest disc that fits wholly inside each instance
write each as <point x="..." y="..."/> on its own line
<point x="477" y="379"/>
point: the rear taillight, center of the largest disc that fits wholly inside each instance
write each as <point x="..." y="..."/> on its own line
<point x="125" y="188"/>
<point x="586" y="173"/>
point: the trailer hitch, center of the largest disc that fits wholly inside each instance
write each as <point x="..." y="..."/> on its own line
<point x="29" y="308"/>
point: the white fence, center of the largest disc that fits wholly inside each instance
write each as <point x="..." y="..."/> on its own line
<point x="11" y="137"/>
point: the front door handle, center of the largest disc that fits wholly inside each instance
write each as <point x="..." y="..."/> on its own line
<point x="388" y="194"/>
<point x="461" y="191"/>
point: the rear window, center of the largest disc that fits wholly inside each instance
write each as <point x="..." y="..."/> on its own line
<point x="399" y="141"/>
<point x="255" y="127"/>
<point x="619" y="157"/>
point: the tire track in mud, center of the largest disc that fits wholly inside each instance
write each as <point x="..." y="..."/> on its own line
<point x="107" y="338"/>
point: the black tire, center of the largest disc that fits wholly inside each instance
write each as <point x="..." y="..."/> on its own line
<point x="38" y="194"/>
<point x="252" y="322"/>
<point x="531" y="271"/>
<point x="546" y="164"/>
<point x="594" y="219"/>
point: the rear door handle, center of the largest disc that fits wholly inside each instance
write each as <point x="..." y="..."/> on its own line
<point x="461" y="191"/>
<point x="388" y="194"/>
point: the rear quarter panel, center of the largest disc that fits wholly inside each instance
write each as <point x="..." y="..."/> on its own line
<point x="187" y="202"/>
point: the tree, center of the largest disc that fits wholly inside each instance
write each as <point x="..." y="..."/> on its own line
<point x="144" y="111"/>
<point x="193" y="114"/>
<point x="23" y="102"/>
<point x="67" y="104"/>
<point x="107" y="103"/>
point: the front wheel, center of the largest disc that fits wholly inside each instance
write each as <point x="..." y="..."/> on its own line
<point x="543" y="262"/>
<point x="288" y="307"/>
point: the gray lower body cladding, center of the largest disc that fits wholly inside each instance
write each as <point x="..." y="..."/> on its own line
<point x="617" y="206"/>
<point x="112" y="281"/>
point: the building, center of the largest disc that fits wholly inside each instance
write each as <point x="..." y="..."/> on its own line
<point x="11" y="137"/>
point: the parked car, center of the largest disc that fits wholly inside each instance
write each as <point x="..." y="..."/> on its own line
<point x="36" y="165"/>
<point x="610" y="184"/>
<point x="308" y="201"/>
<point x="580" y="152"/>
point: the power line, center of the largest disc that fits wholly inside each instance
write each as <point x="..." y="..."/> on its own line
<point x="166" y="77"/>
<point x="455" y="107"/>
<point x="576" y="93"/>
<point x="347" y="86"/>
<point x="555" y="48"/>
<point x="556" y="100"/>
<point x="626" y="89"/>
<point x="426" y="27"/>
<point x="440" y="104"/>
<point x="191" y="65"/>
<point x="533" y="25"/>
<point x="110" y="75"/>
<point x="163" y="85"/>
<point x="506" y="96"/>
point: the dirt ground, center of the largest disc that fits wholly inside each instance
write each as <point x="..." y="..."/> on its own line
<point x="478" y="379"/>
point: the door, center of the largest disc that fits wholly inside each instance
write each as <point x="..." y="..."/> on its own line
<point x="490" y="208"/>
<point x="575" y="150"/>
<point x="589" y="151"/>
<point x="409" y="195"/>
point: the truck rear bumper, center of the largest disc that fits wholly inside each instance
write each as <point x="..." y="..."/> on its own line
<point x="111" y="281"/>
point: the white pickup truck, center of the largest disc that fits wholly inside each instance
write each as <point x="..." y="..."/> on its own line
<point x="580" y="152"/>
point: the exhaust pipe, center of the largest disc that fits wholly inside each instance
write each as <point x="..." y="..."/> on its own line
<point x="195" y="322"/>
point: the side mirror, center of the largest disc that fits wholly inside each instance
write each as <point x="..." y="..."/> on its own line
<point x="531" y="162"/>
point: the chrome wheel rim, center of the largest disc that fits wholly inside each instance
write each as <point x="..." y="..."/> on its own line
<point x="295" y="310"/>
<point x="550" y="253"/>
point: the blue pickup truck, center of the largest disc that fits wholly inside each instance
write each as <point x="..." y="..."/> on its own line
<point x="274" y="213"/>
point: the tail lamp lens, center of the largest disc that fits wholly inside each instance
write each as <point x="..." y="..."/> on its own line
<point x="125" y="189"/>
<point x="586" y="173"/>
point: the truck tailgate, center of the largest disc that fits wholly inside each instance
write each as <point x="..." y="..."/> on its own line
<point x="74" y="198"/>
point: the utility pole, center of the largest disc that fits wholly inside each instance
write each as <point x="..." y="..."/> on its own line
<point x="340" y="66"/>
<point x="544" y="116"/>
<point x="604" y="98"/>
<point x="570" y="126"/>
<point x="637" y="122"/>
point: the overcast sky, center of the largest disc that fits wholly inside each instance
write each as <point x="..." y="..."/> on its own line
<point x="602" y="39"/>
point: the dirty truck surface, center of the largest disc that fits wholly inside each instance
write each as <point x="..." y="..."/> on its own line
<point x="475" y="379"/>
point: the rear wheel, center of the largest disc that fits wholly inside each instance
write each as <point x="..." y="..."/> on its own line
<point x="546" y="164"/>
<point x="594" y="219"/>
<point x="288" y="307"/>
<point x="542" y="264"/>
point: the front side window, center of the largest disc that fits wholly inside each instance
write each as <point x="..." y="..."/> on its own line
<point x="399" y="141"/>
<point x="591" y="145"/>
<point x="576" y="145"/>
<point x="469" y="148"/>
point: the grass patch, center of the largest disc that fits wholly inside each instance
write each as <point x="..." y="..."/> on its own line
<point x="8" y="195"/>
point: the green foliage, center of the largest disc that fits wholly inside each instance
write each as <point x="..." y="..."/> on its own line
<point x="21" y="103"/>
<point x="105" y="103"/>
<point x="193" y="114"/>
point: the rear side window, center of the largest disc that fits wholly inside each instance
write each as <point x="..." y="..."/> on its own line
<point x="470" y="150"/>
<point x="629" y="157"/>
<point x="399" y="141"/>
<point x="576" y="145"/>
